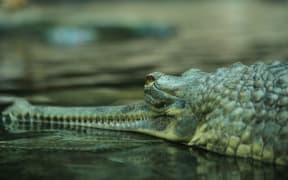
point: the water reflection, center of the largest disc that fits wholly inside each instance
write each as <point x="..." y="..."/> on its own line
<point x="99" y="154"/>
<point x="210" y="34"/>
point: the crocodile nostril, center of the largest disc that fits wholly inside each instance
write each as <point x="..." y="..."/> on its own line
<point x="149" y="79"/>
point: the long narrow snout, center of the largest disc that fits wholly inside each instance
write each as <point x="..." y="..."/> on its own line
<point x="138" y="117"/>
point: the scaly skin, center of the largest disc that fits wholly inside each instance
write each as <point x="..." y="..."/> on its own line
<point x="238" y="111"/>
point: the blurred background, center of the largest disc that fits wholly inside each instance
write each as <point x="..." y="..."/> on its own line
<point x="98" y="51"/>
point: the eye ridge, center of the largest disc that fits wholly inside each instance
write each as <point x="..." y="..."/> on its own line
<point x="149" y="79"/>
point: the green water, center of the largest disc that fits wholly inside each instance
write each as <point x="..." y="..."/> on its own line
<point x="121" y="156"/>
<point x="208" y="35"/>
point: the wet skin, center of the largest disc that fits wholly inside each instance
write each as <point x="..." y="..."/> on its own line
<point x="237" y="111"/>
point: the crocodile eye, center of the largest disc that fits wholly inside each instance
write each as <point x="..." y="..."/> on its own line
<point x="149" y="79"/>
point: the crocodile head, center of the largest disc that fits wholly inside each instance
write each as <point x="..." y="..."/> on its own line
<point x="169" y="98"/>
<point x="166" y="111"/>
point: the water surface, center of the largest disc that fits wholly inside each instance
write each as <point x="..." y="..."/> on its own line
<point x="208" y="35"/>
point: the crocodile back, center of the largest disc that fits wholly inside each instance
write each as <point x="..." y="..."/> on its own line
<point x="246" y="112"/>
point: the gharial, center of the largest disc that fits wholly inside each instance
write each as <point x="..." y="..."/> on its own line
<point x="237" y="111"/>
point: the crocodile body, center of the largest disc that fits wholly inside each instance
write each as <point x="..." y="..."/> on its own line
<point x="237" y="111"/>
